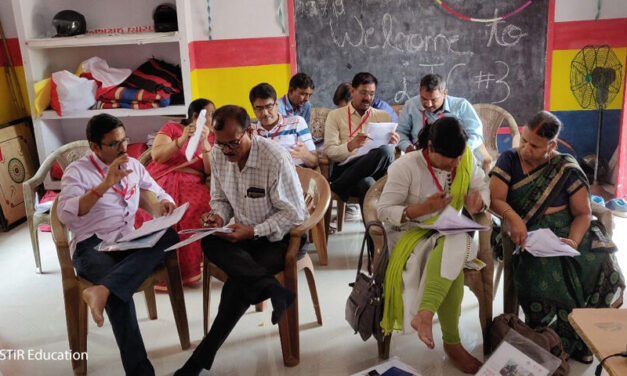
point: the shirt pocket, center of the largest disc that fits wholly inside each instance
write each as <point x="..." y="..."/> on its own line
<point x="256" y="208"/>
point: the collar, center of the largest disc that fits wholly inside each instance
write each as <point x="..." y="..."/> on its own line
<point x="445" y="107"/>
<point x="253" y="155"/>
<point x="104" y="167"/>
<point x="354" y="111"/>
<point x="287" y="103"/>
<point x="260" y="128"/>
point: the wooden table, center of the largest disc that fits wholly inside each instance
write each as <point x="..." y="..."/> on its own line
<point x="604" y="330"/>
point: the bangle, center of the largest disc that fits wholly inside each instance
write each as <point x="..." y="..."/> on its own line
<point x="505" y="212"/>
<point x="95" y="193"/>
<point x="404" y="216"/>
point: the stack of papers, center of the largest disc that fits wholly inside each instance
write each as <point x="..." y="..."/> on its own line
<point x="147" y="235"/>
<point x="380" y="134"/>
<point x="199" y="233"/>
<point x="452" y="222"/>
<point x="544" y="243"/>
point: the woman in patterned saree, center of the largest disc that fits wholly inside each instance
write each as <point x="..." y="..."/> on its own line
<point x="185" y="180"/>
<point x="425" y="272"/>
<point x="535" y="187"/>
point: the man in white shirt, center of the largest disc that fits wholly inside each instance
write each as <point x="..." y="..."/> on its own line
<point x="253" y="181"/>
<point x="291" y="132"/>
<point x="98" y="200"/>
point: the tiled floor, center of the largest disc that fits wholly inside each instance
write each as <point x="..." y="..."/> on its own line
<point x="32" y="317"/>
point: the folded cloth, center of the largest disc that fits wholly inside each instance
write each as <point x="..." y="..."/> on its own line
<point x="131" y="95"/>
<point x="135" y="105"/>
<point x="158" y="77"/>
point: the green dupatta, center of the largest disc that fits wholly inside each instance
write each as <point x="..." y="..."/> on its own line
<point x="393" y="284"/>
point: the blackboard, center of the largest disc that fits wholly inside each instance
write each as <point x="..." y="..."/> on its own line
<point x="500" y="61"/>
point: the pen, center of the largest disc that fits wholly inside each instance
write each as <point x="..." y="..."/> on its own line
<point x="516" y="250"/>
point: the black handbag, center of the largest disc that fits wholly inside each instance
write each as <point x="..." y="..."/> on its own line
<point x="364" y="307"/>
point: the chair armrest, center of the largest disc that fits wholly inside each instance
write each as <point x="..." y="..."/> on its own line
<point x="30" y="186"/>
<point x="604" y="215"/>
<point x="324" y="163"/>
<point x="149" y="202"/>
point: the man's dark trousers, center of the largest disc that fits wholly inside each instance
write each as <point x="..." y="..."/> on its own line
<point x="122" y="272"/>
<point x="250" y="266"/>
<point x="355" y="177"/>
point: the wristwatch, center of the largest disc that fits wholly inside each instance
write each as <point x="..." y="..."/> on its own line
<point x="255" y="233"/>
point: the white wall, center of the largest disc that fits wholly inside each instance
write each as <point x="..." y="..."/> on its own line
<point x="234" y="19"/>
<point x="6" y="17"/>
<point x="580" y="10"/>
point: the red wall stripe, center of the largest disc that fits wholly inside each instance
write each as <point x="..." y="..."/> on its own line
<point x="14" y="49"/>
<point x="550" y="32"/>
<point x="229" y="53"/>
<point x="576" y="34"/>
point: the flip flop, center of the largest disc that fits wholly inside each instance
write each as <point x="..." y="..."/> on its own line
<point x="618" y="206"/>
<point x="597" y="200"/>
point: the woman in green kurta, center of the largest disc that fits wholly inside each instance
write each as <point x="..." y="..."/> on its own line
<point x="535" y="187"/>
<point x="424" y="275"/>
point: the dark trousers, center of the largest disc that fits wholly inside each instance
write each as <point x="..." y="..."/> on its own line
<point x="356" y="177"/>
<point x="250" y="266"/>
<point x="122" y="272"/>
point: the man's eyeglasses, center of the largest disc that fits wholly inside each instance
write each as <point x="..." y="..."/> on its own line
<point x="231" y="145"/>
<point x="267" y="107"/>
<point x="365" y="93"/>
<point x="116" y="144"/>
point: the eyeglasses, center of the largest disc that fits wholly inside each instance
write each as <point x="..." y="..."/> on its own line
<point x="365" y="93"/>
<point x="116" y="144"/>
<point x="267" y="107"/>
<point x="231" y="145"/>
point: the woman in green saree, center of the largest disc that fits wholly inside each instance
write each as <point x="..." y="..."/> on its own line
<point x="535" y="187"/>
<point x="425" y="271"/>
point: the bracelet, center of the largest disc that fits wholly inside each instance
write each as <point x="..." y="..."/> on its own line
<point x="95" y="193"/>
<point x="505" y="212"/>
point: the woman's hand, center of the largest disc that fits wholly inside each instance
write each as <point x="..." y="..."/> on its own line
<point x="518" y="230"/>
<point x="188" y="131"/>
<point x="570" y="242"/>
<point x="436" y="202"/>
<point x="473" y="201"/>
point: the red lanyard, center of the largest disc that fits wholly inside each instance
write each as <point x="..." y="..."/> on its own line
<point x="425" y="153"/>
<point x="287" y="112"/>
<point x="121" y="193"/>
<point x="279" y="128"/>
<point x="350" y="123"/>
<point x="424" y="118"/>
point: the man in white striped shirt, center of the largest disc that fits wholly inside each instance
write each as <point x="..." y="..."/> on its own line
<point x="291" y="132"/>
<point x="253" y="181"/>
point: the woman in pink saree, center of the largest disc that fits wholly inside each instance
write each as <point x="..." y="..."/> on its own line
<point x="185" y="180"/>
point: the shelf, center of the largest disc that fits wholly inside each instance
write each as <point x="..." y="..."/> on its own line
<point x="118" y="112"/>
<point x="90" y="40"/>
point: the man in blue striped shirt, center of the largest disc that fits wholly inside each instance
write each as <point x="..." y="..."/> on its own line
<point x="432" y="103"/>
<point x="291" y="132"/>
<point x="296" y="101"/>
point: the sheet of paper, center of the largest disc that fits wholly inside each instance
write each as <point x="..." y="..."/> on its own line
<point x="380" y="134"/>
<point x="192" y="145"/>
<point x="508" y="360"/>
<point x="156" y="224"/>
<point x="393" y="362"/>
<point x="143" y="242"/>
<point x="451" y="221"/>
<point x="198" y="235"/>
<point x="544" y="243"/>
<point x="205" y="229"/>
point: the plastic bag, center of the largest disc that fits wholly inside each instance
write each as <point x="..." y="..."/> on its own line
<point x="71" y="93"/>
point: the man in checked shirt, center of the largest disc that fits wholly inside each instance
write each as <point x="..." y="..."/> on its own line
<point x="253" y="180"/>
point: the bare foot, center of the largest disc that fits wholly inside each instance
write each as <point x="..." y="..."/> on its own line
<point x="96" y="298"/>
<point x="462" y="359"/>
<point x="423" y="323"/>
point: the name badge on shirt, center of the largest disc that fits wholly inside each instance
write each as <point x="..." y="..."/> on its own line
<point x="254" y="192"/>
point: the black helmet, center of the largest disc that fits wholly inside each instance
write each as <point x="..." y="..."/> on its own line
<point x="68" y="23"/>
<point x="165" y="18"/>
